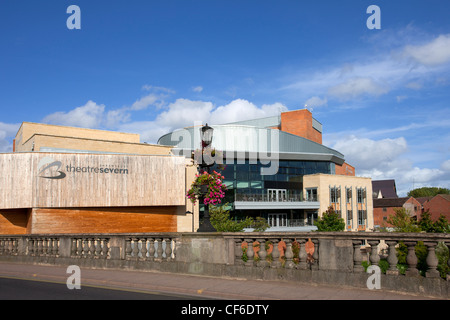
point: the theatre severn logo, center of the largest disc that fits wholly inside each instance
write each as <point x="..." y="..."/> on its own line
<point x="45" y="164"/>
<point x="48" y="168"/>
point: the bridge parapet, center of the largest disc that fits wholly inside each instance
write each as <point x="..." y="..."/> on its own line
<point x="333" y="258"/>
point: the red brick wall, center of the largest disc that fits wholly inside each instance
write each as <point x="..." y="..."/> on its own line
<point x="299" y="122"/>
<point x="345" y="169"/>
<point x="436" y="206"/>
<point x="379" y="216"/>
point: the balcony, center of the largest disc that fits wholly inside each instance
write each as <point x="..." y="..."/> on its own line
<point x="274" y="201"/>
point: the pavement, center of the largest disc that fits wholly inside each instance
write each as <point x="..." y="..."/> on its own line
<point x="197" y="287"/>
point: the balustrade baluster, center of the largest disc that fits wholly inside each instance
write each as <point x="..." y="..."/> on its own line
<point x="29" y="247"/>
<point x="128" y="249"/>
<point x="168" y="250"/>
<point x="151" y="249"/>
<point x="174" y="249"/>
<point x="36" y="247"/>
<point x="40" y="247"/>
<point x="238" y="252"/>
<point x="302" y="255"/>
<point x="357" y="256"/>
<point x="144" y="248"/>
<point x="91" y="247"/>
<point x="50" y="246"/>
<point x="98" y="248"/>
<point x="250" y="253"/>
<point x="104" y="248"/>
<point x="315" y="256"/>
<point x="411" y="259"/>
<point x="55" y="248"/>
<point x="159" y="250"/>
<point x="374" y="256"/>
<point x="85" y="242"/>
<point x="289" y="254"/>
<point x="135" y="245"/>
<point x="262" y="253"/>
<point x="275" y="254"/>
<point x="74" y="247"/>
<point x="392" y="258"/>
<point x="432" y="260"/>
<point x="15" y="246"/>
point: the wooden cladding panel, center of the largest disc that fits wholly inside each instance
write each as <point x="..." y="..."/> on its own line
<point x="131" y="180"/>
<point x="104" y="220"/>
<point x="13" y="221"/>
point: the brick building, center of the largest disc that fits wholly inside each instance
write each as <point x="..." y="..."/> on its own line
<point x="439" y="204"/>
<point x="385" y="207"/>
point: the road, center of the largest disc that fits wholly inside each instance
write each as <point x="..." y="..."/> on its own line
<point x="22" y="289"/>
<point x="165" y="285"/>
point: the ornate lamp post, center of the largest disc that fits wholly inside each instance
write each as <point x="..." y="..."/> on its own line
<point x="206" y="134"/>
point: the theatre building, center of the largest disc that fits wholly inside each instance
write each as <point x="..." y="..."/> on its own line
<point x="277" y="168"/>
<point x="73" y="180"/>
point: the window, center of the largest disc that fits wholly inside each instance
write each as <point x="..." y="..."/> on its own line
<point x="362" y="216"/>
<point x="335" y="194"/>
<point x="361" y="195"/>
<point x="311" y="194"/>
<point x="349" y="217"/>
<point x="349" y="194"/>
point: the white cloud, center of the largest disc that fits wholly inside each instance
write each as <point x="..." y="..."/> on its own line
<point x="184" y="112"/>
<point x="145" y="101"/>
<point x="388" y="159"/>
<point x="365" y="154"/>
<point x="7" y="133"/>
<point x="445" y="166"/>
<point x="147" y="87"/>
<point x="197" y="89"/>
<point x="316" y="102"/>
<point x="433" y="53"/>
<point x="356" y="87"/>
<point x="88" y="116"/>
<point x="395" y="66"/>
<point x="239" y="110"/>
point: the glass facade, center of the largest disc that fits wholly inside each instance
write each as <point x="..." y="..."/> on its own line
<point x="245" y="182"/>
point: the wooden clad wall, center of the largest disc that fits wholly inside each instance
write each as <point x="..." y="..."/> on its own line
<point x="103" y="220"/>
<point x="14" y="221"/>
<point x="91" y="180"/>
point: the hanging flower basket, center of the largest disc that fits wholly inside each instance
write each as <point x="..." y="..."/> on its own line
<point x="208" y="185"/>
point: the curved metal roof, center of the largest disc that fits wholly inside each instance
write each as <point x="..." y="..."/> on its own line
<point x="250" y="140"/>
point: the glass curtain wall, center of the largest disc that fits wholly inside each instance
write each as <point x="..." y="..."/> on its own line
<point x="245" y="182"/>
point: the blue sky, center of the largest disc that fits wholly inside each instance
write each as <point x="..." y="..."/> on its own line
<point x="383" y="96"/>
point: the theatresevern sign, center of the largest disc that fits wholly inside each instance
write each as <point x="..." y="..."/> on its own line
<point x="46" y="163"/>
<point x="88" y="169"/>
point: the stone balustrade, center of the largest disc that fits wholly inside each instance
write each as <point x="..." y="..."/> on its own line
<point x="336" y="257"/>
<point x="363" y="247"/>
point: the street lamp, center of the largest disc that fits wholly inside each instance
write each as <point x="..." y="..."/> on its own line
<point x="206" y="134"/>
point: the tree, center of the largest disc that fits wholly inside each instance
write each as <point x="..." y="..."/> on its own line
<point x="221" y="221"/>
<point x="441" y="225"/>
<point x="402" y="221"/>
<point x="427" y="192"/>
<point x="330" y="221"/>
<point x="425" y="223"/>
